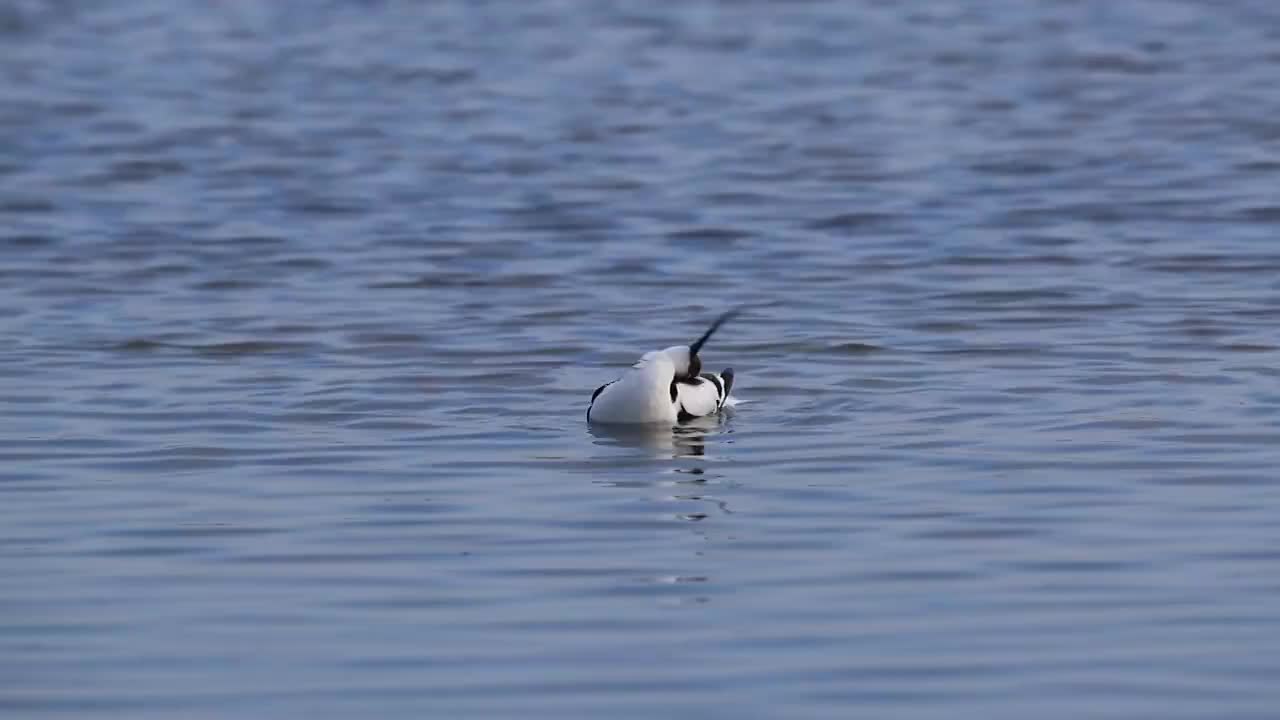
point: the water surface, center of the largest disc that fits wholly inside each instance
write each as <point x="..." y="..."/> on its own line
<point x="301" y="305"/>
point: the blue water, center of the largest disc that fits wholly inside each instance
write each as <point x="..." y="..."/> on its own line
<point x="301" y="305"/>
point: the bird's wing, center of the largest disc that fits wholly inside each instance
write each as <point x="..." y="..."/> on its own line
<point x="699" y="397"/>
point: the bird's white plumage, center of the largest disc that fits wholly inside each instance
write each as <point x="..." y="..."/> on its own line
<point x="641" y="395"/>
<point x="664" y="387"/>
<point x="702" y="396"/>
<point x="635" y="397"/>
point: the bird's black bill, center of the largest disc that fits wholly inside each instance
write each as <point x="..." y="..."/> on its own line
<point x="696" y="346"/>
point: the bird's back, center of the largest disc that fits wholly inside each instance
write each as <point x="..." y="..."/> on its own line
<point x="642" y="395"/>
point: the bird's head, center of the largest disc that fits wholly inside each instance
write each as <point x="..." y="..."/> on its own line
<point x="685" y="357"/>
<point x="685" y="360"/>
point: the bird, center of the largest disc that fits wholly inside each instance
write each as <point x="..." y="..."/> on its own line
<point x="665" y="387"/>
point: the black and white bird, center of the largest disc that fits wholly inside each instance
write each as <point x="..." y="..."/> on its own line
<point x="666" y="386"/>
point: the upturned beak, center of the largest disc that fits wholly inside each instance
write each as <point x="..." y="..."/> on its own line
<point x="697" y="344"/>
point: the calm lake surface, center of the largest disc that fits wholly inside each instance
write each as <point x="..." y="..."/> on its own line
<point x="301" y="305"/>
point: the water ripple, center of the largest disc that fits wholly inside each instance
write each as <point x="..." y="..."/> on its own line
<point x="303" y="304"/>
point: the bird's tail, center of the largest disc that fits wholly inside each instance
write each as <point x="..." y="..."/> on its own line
<point x="726" y="376"/>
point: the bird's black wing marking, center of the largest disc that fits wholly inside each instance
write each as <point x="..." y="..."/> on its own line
<point x="600" y="389"/>
<point x="596" y="394"/>
<point x="720" y="393"/>
<point x="682" y="413"/>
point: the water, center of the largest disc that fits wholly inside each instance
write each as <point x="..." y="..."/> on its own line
<point x="301" y="305"/>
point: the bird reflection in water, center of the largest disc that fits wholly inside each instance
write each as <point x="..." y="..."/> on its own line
<point x="688" y="439"/>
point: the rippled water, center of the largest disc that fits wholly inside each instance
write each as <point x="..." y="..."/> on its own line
<point x="301" y="305"/>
